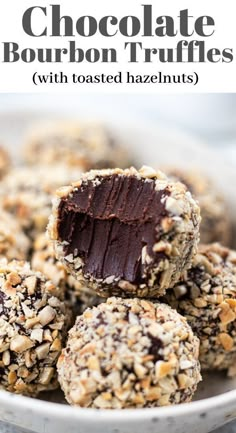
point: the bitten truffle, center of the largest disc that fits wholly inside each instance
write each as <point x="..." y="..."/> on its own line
<point x="125" y="232"/>
<point x="207" y="298"/>
<point x="33" y="324"/>
<point x="84" y="145"/>
<point x="14" y="244"/>
<point x="215" y="225"/>
<point x="78" y="296"/>
<point x="26" y="193"/>
<point x="129" y="353"/>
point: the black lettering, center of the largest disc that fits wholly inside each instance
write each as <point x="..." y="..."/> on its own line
<point x="76" y="54"/>
<point x="103" y="25"/>
<point x="213" y="55"/>
<point x="27" y="22"/>
<point x="89" y="22"/>
<point x="184" y="23"/>
<point x="11" y="54"/>
<point x="109" y="55"/>
<point x="166" y="26"/>
<point x="147" y="13"/>
<point x="227" y="55"/>
<point x="92" y="55"/>
<point x="134" y="24"/>
<point x="148" y="54"/>
<point x="57" y="20"/>
<point x="166" y="55"/>
<point x="133" y="50"/>
<point x="28" y="55"/>
<point x="202" y="22"/>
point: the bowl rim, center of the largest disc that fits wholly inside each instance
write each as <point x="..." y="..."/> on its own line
<point x="66" y="412"/>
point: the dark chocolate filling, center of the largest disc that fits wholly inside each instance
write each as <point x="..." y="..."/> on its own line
<point x="154" y="349"/>
<point x="2" y="300"/>
<point x="108" y="224"/>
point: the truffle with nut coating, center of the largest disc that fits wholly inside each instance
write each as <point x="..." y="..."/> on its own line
<point x="206" y="296"/>
<point x="125" y="232"/>
<point x="215" y="224"/>
<point x="80" y="144"/>
<point x="14" y="244"/>
<point x="33" y="324"/>
<point x="129" y="353"/>
<point x="26" y="193"/>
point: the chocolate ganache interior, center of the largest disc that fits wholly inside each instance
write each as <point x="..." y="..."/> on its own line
<point x="108" y="221"/>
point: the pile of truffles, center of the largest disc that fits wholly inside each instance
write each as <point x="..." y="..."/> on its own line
<point x="105" y="290"/>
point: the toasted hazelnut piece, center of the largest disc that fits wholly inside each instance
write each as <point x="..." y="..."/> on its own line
<point x="30" y="283"/>
<point x="46" y="315"/>
<point x="14" y="278"/>
<point x="21" y="343"/>
<point x="226" y="341"/>
<point x="42" y="350"/>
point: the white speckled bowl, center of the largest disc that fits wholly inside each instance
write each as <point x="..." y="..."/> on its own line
<point x="215" y="400"/>
<point x="200" y="416"/>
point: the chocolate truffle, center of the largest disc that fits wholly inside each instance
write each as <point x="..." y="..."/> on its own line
<point x="26" y="192"/>
<point x="215" y="225"/>
<point x="33" y="324"/>
<point x="129" y="353"/>
<point x="84" y="145"/>
<point x="14" y="244"/>
<point x="125" y="232"/>
<point x="207" y="298"/>
<point x="78" y="296"/>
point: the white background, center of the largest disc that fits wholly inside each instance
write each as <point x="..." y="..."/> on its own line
<point x="17" y="77"/>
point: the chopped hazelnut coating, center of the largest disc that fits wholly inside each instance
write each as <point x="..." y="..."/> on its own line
<point x="206" y="296"/>
<point x="125" y="232"/>
<point x="129" y="353"/>
<point x="78" y="296"/>
<point x="33" y="324"/>
<point x="26" y="193"/>
<point x="84" y="145"/>
<point x="215" y="224"/>
<point x="14" y="244"/>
